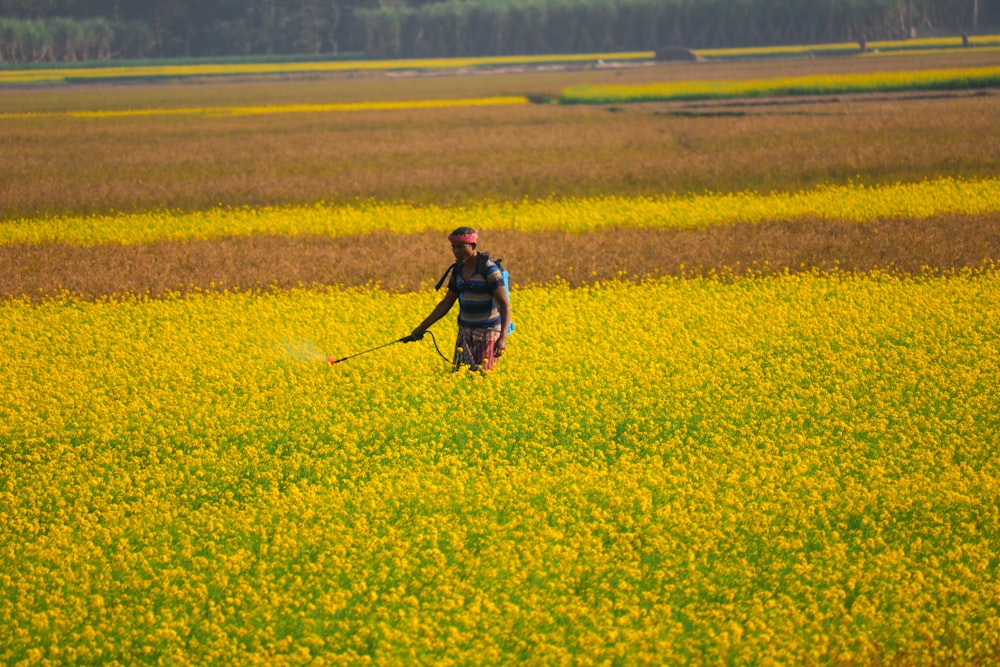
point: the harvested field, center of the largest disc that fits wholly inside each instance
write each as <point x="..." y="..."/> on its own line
<point x="399" y="263"/>
<point x="60" y="164"/>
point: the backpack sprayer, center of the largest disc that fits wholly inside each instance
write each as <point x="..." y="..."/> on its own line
<point x="482" y="262"/>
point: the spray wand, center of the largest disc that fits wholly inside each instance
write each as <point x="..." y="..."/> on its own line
<point x="404" y="339"/>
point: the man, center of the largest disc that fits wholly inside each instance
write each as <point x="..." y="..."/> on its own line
<point x="484" y="305"/>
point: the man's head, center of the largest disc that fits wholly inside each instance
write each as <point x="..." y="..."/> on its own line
<point x="463" y="242"/>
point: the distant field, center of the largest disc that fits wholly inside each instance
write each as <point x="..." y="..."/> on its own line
<point x="335" y="155"/>
<point x="143" y="156"/>
<point x="822" y="84"/>
<point x="110" y="71"/>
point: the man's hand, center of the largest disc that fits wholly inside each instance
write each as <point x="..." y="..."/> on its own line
<point x="416" y="335"/>
<point x="501" y="345"/>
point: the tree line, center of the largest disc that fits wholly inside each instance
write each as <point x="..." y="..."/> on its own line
<point x="68" y="30"/>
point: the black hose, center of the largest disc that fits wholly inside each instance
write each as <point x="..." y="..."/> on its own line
<point x="440" y="353"/>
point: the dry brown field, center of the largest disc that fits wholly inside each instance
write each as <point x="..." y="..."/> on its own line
<point x="58" y="164"/>
<point x="415" y="262"/>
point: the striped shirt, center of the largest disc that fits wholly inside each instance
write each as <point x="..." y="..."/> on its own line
<point x="477" y="307"/>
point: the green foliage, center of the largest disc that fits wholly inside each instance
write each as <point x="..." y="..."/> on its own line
<point x="489" y="27"/>
<point x="73" y="40"/>
<point x="445" y="28"/>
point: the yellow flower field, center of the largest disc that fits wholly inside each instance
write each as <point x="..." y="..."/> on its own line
<point x="854" y="202"/>
<point x="226" y="111"/>
<point x="875" y="48"/>
<point x="734" y="468"/>
<point x="791" y="470"/>
<point x="814" y="84"/>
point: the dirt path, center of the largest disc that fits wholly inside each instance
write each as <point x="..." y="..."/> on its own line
<point x="404" y="263"/>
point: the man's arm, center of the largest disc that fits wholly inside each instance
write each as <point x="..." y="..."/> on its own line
<point x="439" y="311"/>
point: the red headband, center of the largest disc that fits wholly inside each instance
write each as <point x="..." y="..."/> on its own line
<point x="463" y="238"/>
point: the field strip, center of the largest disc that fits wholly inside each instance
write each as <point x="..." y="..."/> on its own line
<point x="874" y="49"/>
<point x="813" y="84"/>
<point x="57" y="74"/>
<point x="851" y="202"/>
<point x="15" y="75"/>
<point x="279" y="108"/>
<point x="987" y="47"/>
<point x="942" y="245"/>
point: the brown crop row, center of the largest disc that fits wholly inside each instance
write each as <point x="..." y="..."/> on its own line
<point x="908" y="246"/>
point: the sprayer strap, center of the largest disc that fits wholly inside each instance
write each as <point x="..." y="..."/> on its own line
<point x="444" y="277"/>
<point x="482" y="261"/>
